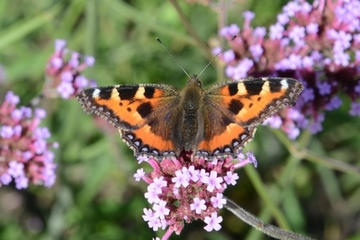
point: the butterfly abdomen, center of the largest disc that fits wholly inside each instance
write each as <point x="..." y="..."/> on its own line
<point x="189" y="129"/>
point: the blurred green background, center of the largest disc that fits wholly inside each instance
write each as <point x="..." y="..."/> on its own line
<point x="310" y="189"/>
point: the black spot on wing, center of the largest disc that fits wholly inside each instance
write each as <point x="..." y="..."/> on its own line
<point x="226" y="120"/>
<point x="127" y="92"/>
<point x="254" y="87"/>
<point x="144" y="109"/>
<point x="149" y="92"/>
<point x="233" y="88"/>
<point x="235" y="106"/>
<point x="105" y="93"/>
<point x="275" y="86"/>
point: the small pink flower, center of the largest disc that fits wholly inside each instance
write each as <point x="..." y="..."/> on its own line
<point x="218" y="201"/>
<point x="140" y="173"/>
<point x="231" y="178"/>
<point x="213" y="222"/>
<point x="213" y="181"/>
<point x="198" y="205"/>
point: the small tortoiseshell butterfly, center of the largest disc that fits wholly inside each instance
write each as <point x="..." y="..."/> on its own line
<point x="159" y="120"/>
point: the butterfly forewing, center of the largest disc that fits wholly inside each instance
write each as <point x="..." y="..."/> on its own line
<point x="250" y="101"/>
<point x="235" y="108"/>
<point x="142" y="112"/>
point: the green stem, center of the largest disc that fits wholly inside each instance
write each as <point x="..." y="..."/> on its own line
<point x="264" y="195"/>
<point x="202" y="45"/>
<point x="299" y="151"/>
<point x="256" y="223"/>
<point x="279" y="190"/>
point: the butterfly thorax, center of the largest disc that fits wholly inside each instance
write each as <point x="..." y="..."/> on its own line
<point x="188" y="131"/>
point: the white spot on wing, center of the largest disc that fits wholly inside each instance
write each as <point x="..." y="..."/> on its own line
<point x="96" y="93"/>
<point x="265" y="88"/>
<point x="241" y="89"/>
<point x="140" y="93"/>
<point x="115" y="94"/>
<point x="284" y="84"/>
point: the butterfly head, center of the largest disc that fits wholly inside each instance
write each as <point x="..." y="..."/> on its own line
<point x="194" y="80"/>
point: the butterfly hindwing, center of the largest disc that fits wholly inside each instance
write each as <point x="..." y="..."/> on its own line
<point x="139" y="111"/>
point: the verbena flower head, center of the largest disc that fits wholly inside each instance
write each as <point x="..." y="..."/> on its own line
<point x="183" y="190"/>
<point x="63" y="71"/>
<point x="318" y="44"/>
<point x="25" y="156"/>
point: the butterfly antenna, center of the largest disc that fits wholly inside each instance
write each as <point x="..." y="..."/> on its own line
<point x="221" y="51"/>
<point x="172" y="56"/>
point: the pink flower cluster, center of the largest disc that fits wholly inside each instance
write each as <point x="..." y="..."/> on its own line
<point x="24" y="148"/>
<point x="182" y="190"/>
<point x="63" y="72"/>
<point x="318" y="44"/>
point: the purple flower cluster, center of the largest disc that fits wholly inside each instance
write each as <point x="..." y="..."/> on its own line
<point x="24" y="148"/>
<point x="318" y="44"/>
<point x="63" y="72"/>
<point x="182" y="190"/>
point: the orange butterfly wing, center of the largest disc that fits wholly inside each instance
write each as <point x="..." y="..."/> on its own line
<point x="234" y="109"/>
<point x="142" y="112"/>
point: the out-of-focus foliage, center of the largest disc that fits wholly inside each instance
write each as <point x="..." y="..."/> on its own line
<point x="308" y="189"/>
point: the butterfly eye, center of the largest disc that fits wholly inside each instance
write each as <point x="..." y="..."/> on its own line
<point x="194" y="80"/>
<point x="197" y="80"/>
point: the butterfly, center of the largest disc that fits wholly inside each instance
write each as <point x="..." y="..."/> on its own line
<point x="160" y="121"/>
